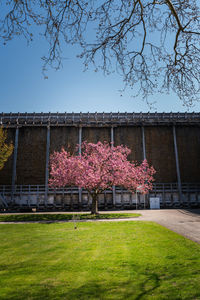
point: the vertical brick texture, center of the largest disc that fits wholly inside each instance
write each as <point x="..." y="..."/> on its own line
<point x="66" y="137"/>
<point x="160" y="152"/>
<point x="6" y="172"/>
<point x="188" y="143"/>
<point x="95" y="134"/>
<point x="31" y="155"/>
<point x="131" y="137"/>
<point x="159" y="143"/>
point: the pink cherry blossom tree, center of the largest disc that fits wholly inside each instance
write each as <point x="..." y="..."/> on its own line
<point x="99" y="167"/>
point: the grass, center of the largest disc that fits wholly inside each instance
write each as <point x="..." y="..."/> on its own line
<point x="64" y="217"/>
<point x="115" y="260"/>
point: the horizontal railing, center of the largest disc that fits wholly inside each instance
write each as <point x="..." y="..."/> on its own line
<point x="24" y="119"/>
<point x="69" y="198"/>
<point x="157" y="187"/>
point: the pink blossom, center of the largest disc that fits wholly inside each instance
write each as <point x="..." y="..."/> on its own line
<point x="100" y="167"/>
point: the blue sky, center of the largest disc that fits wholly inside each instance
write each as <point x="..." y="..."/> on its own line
<point x="24" y="89"/>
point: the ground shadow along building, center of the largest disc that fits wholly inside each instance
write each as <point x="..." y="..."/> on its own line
<point x="169" y="141"/>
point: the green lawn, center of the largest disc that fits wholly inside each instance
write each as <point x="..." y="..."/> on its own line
<point x="64" y="217"/>
<point x="101" y="260"/>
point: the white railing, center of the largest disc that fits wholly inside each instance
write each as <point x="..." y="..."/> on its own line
<point x="69" y="197"/>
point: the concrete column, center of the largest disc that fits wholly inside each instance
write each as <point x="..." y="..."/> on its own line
<point x="144" y="157"/>
<point x="177" y="164"/>
<point x="79" y="140"/>
<point x="47" y="164"/>
<point x="79" y="152"/>
<point x="112" y="136"/>
<point x="15" y="160"/>
<point x="112" y="144"/>
<point x="143" y="143"/>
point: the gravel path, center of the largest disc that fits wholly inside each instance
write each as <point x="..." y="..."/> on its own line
<point x="183" y="221"/>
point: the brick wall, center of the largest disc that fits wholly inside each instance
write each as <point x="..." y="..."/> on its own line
<point x="188" y="143"/>
<point x="31" y="157"/>
<point x="66" y="137"/>
<point x="160" y="152"/>
<point x="95" y="134"/>
<point x="132" y="138"/>
<point x="6" y="172"/>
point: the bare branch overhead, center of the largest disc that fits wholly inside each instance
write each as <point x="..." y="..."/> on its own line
<point x="154" y="45"/>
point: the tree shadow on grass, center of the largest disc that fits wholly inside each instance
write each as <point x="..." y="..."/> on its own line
<point x="96" y="289"/>
<point x="131" y="289"/>
<point x="139" y="285"/>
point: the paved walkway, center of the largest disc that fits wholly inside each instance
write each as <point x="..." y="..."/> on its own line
<point x="183" y="221"/>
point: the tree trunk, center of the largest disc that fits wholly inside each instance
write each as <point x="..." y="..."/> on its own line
<point x="94" y="210"/>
